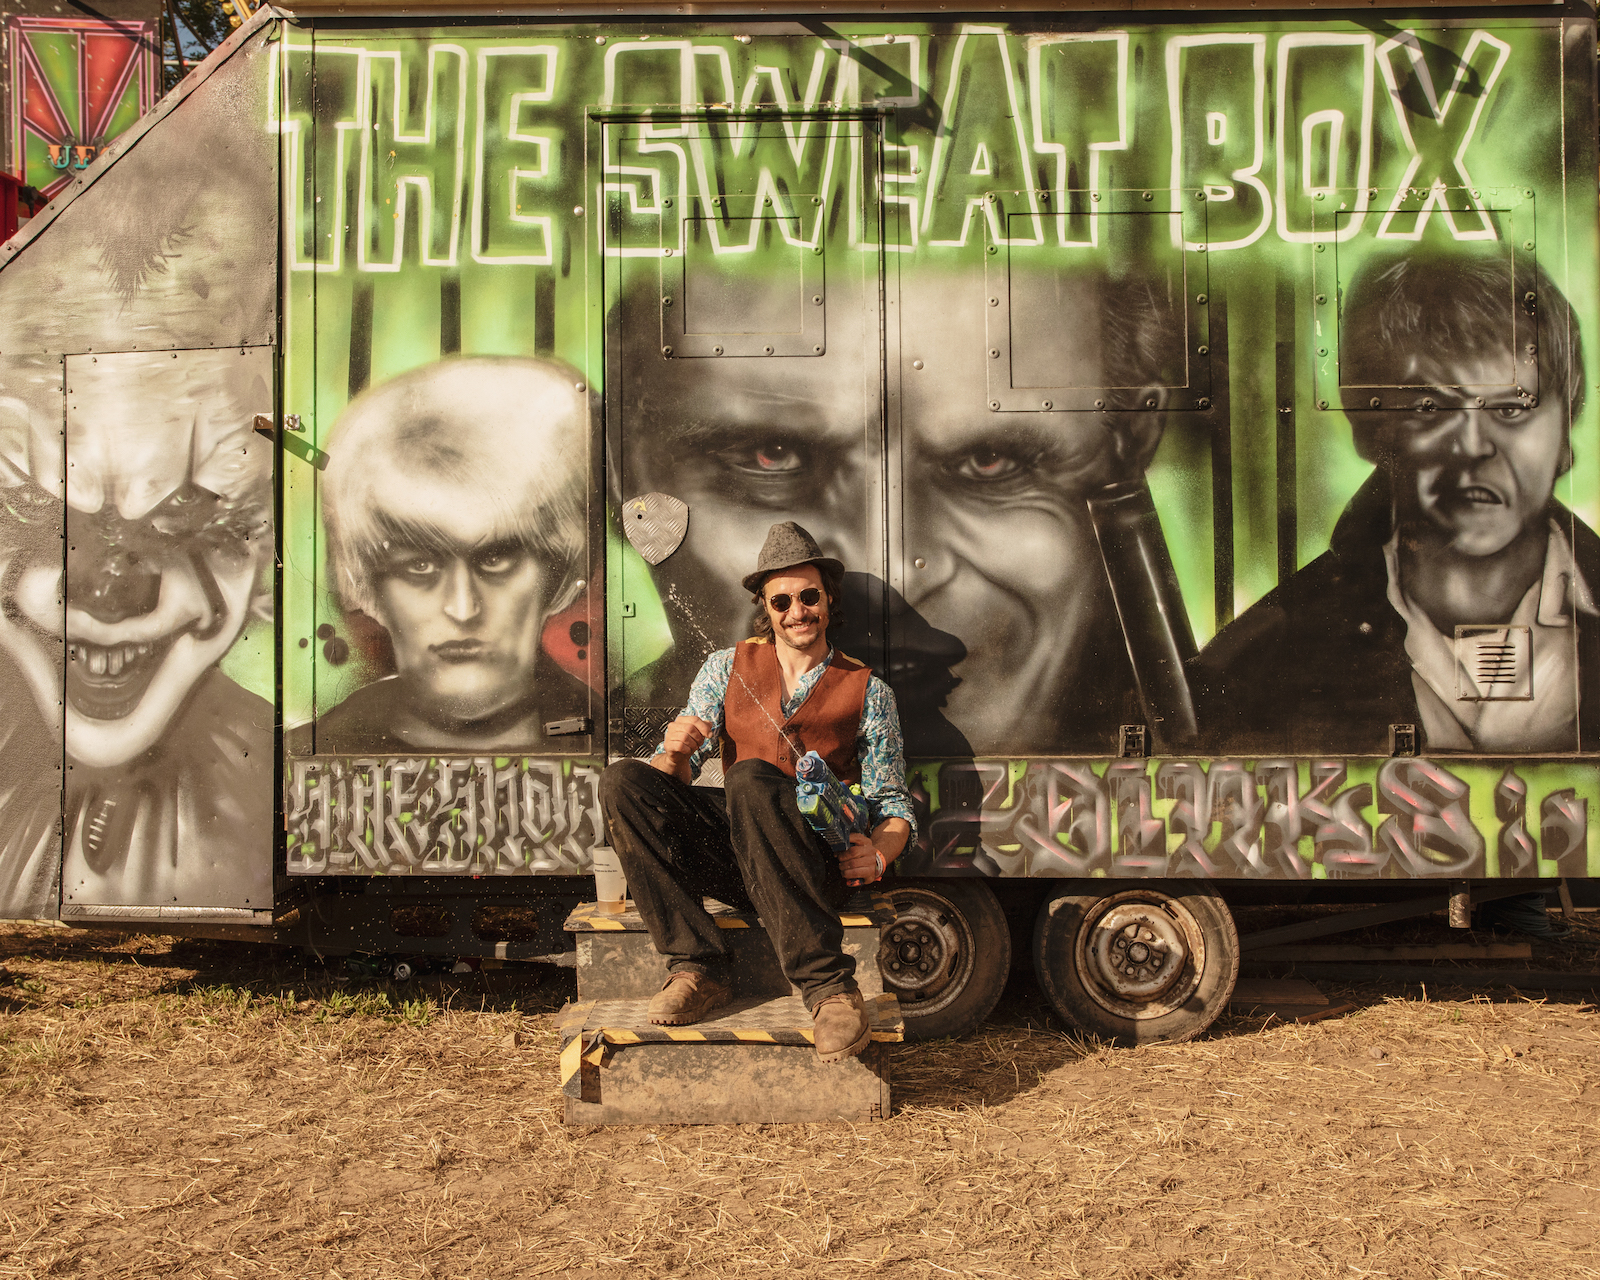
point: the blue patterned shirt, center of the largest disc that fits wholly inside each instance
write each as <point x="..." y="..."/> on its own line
<point x="879" y="747"/>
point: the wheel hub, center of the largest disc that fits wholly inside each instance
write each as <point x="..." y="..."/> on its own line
<point x="915" y="956"/>
<point x="1140" y="955"/>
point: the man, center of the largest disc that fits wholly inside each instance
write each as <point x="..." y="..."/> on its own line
<point x="1456" y="594"/>
<point x="454" y="501"/>
<point x="767" y="701"/>
<point x="1003" y="637"/>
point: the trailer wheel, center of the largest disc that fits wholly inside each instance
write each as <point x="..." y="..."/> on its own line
<point x="1137" y="966"/>
<point x="946" y="955"/>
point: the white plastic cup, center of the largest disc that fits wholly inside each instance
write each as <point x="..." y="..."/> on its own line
<point x="610" y="887"/>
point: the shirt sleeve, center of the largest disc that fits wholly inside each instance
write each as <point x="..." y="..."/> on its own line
<point x="706" y="696"/>
<point x="882" y="752"/>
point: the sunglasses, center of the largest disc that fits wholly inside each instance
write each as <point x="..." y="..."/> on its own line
<point x="781" y="602"/>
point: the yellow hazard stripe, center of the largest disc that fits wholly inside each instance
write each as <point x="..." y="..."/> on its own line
<point x="756" y="1037"/>
<point x="732" y="922"/>
<point x="849" y="921"/>
<point x="604" y="922"/>
<point x="571" y="1059"/>
<point x="681" y="1033"/>
<point x="622" y="1036"/>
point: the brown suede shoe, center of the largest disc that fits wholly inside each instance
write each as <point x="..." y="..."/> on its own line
<point x="840" y="1028"/>
<point x="686" y="998"/>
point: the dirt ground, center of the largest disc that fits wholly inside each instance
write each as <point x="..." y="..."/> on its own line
<point x="207" y="1109"/>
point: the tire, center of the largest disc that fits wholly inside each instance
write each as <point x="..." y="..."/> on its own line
<point x="1181" y="947"/>
<point x="402" y="971"/>
<point x="946" y="955"/>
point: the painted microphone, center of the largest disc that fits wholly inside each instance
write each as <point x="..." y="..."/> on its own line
<point x="834" y="811"/>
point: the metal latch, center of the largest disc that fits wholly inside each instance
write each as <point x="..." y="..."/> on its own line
<point x="565" y="728"/>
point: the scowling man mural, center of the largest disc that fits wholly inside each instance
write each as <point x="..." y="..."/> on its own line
<point x="454" y="502"/>
<point x="1006" y="605"/>
<point x="1457" y="593"/>
<point x="169" y="547"/>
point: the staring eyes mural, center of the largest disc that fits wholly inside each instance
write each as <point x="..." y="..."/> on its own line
<point x="1216" y="388"/>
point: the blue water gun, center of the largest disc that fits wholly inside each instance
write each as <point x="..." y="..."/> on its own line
<point x="833" y="810"/>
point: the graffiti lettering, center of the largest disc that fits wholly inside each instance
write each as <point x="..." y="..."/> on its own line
<point x="1267" y="819"/>
<point x="1026" y="124"/>
<point x="442" y="816"/>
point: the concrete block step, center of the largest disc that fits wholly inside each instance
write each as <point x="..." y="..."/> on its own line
<point x="615" y="960"/>
<point x="752" y="1063"/>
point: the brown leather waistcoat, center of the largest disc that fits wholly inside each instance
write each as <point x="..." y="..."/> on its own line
<point x="827" y="722"/>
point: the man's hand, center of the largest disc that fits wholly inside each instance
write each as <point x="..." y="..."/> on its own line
<point x="681" y="739"/>
<point x="863" y="862"/>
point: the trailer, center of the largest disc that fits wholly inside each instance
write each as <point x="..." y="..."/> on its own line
<point x="1196" y="400"/>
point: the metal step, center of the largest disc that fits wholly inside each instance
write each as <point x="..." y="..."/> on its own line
<point x="616" y="961"/>
<point x="752" y="1063"/>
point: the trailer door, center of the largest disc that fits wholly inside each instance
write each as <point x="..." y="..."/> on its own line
<point x="741" y="263"/>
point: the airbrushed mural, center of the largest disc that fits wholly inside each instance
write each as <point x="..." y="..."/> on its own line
<point x="1212" y="391"/>
<point x="1228" y="383"/>
<point x="137" y="332"/>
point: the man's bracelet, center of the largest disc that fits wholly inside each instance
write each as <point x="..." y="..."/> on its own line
<point x="881" y="863"/>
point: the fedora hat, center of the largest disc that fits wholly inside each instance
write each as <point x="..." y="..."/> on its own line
<point x="787" y="545"/>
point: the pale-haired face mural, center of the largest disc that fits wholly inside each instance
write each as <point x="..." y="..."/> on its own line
<point x="454" y="499"/>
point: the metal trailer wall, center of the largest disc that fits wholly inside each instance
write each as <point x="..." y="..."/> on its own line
<point x="1126" y="364"/>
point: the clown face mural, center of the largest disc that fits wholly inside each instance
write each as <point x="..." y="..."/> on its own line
<point x="168" y="521"/>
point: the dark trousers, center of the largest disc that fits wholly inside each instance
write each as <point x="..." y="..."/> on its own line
<point x="745" y="844"/>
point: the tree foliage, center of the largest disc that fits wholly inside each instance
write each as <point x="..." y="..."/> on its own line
<point x="201" y="26"/>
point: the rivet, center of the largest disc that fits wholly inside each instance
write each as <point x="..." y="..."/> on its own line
<point x="1321" y="298"/>
<point x="1147" y="195"/>
<point x="577" y="211"/>
<point x="816" y="299"/>
<point x="666" y="351"/>
<point x="1200" y="298"/>
<point x="666" y="253"/>
<point x="817" y="350"/>
<point x="1533" y="402"/>
<point x="992" y="249"/>
<point x="1047" y="404"/>
<point x="1204" y="402"/>
<point x="581" y="386"/>
<point x="994" y="302"/>
<point x="1099" y="404"/>
<point x="716" y="351"/>
<point x="916" y="364"/>
<point x="768" y="350"/>
<point x="920" y="563"/>
<point x="666" y="302"/>
<point x="599" y="39"/>
<point x="1378" y="404"/>
<point x="1365" y="628"/>
<point x="1322" y="351"/>
<point x="994" y="353"/>
<point x="994" y="404"/>
<point x="1094" y="195"/>
<point x="1322" y="404"/>
<point x="1203" y="350"/>
<point x="1527" y="244"/>
<point x="1322" y="248"/>
<point x="1527" y="297"/>
<point x="667" y="202"/>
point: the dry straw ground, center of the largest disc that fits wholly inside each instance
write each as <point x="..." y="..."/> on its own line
<point x="200" y="1109"/>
